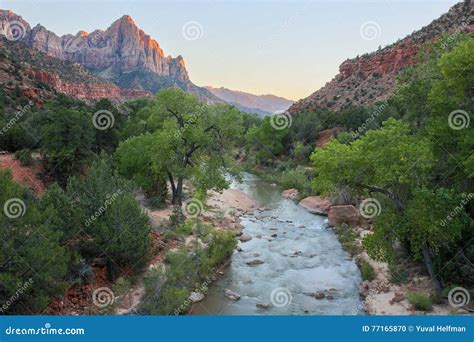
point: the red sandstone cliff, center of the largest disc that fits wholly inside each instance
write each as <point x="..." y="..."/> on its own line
<point x="364" y="80"/>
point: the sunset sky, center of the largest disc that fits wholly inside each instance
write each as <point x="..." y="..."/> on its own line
<point x="286" y="48"/>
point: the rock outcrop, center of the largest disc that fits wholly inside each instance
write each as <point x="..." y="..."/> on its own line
<point x="122" y="53"/>
<point x="316" y="205"/>
<point x="39" y="77"/>
<point x="347" y="214"/>
<point x="364" y="80"/>
<point x="292" y="194"/>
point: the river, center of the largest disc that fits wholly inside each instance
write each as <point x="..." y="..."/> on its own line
<point x="303" y="257"/>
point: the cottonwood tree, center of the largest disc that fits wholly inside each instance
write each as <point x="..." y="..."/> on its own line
<point x="194" y="142"/>
<point x="394" y="165"/>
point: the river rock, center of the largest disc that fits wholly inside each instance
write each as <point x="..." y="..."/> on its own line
<point x="263" y="306"/>
<point x="364" y="288"/>
<point x="255" y="262"/>
<point x="341" y="214"/>
<point x="317" y="294"/>
<point x="232" y="295"/>
<point x="397" y="298"/>
<point x="274" y="235"/>
<point x="245" y="238"/>
<point x="316" y="205"/>
<point x="291" y="194"/>
<point x="196" y="297"/>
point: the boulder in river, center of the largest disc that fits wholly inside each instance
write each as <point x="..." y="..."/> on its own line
<point x="263" y="306"/>
<point x="255" y="262"/>
<point x="291" y="194"/>
<point x="316" y="205"/>
<point x="196" y="297"/>
<point x="232" y="295"/>
<point x="317" y="294"/>
<point x="245" y="238"/>
<point x="347" y="214"/>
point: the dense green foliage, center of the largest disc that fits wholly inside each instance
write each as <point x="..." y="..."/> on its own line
<point x="419" y="301"/>
<point x="190" y="141"/>
<point x="418" y="167"/>
<point x="33" y="263"/>
<point x="168" y="288"/>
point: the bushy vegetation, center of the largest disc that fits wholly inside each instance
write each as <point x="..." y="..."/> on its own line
<point x="168" y="288"/>
<point x="89" y="213"/>
<point x="419" y="301"/>
<point x="418" y="167"/>
<point x="367" y="271"/>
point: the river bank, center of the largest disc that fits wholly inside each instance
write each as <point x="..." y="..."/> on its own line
<point x="286" y="263"/>
<point x="385" y="289"/>
<point x="222" y="211"/>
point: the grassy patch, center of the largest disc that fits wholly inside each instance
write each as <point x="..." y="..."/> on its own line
<point x="367" y="271"/>
<point x="347" y="238"/>
<point x="168" y="288"/>
<point x="419" y="301"/>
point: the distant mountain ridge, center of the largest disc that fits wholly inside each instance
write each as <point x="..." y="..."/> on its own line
<point x="123" y="54"/>
<point x="259" y="104"/>
<point x="364" y="80"/>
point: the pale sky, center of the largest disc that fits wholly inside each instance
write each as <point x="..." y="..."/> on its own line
<point x="285" y="48"/>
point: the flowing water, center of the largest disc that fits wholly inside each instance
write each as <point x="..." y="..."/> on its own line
<point x="304" y="256"/>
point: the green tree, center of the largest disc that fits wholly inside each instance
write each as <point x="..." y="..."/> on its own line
<point x="33" y="264"/>
<point x="135" y="161"/>
<point x="66" y="141"/>
<point x="194" y="141"/>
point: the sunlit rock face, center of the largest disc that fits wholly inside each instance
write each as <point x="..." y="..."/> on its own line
<point x="367" y="79"/>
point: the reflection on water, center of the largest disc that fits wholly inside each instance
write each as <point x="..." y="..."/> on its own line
<point x="302" y="257"/>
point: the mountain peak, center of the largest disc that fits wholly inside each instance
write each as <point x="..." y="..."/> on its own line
<point x="125" y="19"/>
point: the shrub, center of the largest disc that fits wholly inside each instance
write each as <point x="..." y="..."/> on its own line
<point x="167" y="290"/>
<point x="299" y="178"/>
<point x="419" y="301"/>
<point x="24" y="156"/>
<point x="367" y="271"/>
<point x="397" y="275"/>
